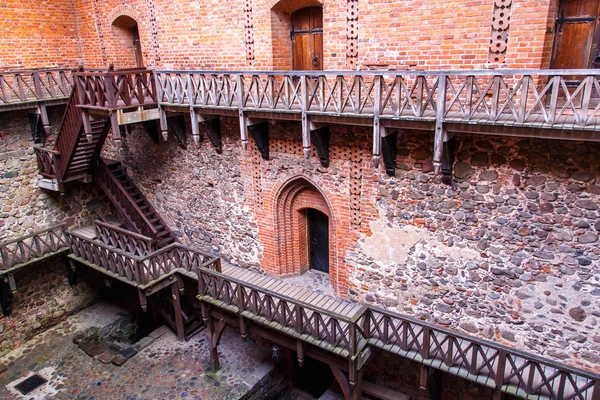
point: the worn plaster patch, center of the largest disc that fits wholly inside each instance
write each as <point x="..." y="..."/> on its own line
<point x="392" y="245"/>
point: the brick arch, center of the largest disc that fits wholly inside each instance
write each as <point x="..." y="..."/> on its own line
<point x="289" y="254"/>
<point x="289" y="6"/>
<point x="123" y="10"/>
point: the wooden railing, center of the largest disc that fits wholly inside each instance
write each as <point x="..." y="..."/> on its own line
<point x="113" y="90"/>
<point x="38" y="244"/>
<point x="140" y="271"/>
<point x="522" y="97"/>
<point x="125" y="240"/>
<point x="34" y="86"/>
<point x="499" y="367"/>
<point x="126" y="205"/>
<point x="47" y="162"/>
<point x="330" y="331"/>
<point x="54" y="163"/>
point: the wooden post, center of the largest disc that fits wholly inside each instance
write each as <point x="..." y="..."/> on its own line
<point x="177" y="311"/>
<point x="242" y="117"/>
<point x="585" y="101"/>
<point x="438" y="146"/>
<point x="376" y="122"/>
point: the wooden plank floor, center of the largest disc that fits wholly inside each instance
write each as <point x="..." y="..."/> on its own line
<point x="89" y="232"/>
<point x="276" y="285"/>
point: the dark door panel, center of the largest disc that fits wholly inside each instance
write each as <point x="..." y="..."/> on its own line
<point x="319" y="240"/>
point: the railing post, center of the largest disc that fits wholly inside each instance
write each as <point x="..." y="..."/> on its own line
<point x="585" y="102"/>
<point x="304" y="99"/>
<point x="596" y="391"/>
<point x="524" y="94"/>
<point x="37" y="85"/>
<point x="376" y="123"/>
<point x="438" y="146"/>
<point x="241" y="104"/>
<point x="499" y="375"/>
<point x="554" y="98"/>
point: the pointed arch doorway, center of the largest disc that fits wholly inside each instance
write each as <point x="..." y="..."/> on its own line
<point x="127" y="50"/>
<point x="318" y="240"/>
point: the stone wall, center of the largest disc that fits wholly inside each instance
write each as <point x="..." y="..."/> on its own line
<point x="509" y="252"/>
<point x="200" y="194"/>
<point x="23" y="207"/>
<point x="43" y="299"/>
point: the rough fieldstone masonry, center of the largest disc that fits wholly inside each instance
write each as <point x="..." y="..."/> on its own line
<point x="508" y="252"/>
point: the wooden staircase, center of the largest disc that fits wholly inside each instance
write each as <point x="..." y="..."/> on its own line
<point x="191" y="316"/>
<point x="131" y="204"/>
<point x="74" y="151"/>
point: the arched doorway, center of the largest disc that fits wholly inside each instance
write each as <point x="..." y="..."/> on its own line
<point x="128" y="48"/>
<point x="307" y="39"/>
<point x="577" y="35"/>
<point x="318" y="240"/>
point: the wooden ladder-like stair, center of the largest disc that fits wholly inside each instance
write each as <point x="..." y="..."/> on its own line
<point x="147" y="221"/>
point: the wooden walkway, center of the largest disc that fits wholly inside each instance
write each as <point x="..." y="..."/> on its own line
<point x="276" y="285"/>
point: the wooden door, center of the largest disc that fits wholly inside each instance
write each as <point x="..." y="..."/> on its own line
<point x="307" y="39"/>
<point x="137" y="46"/>
<point x="319" y="240"/>
<point x="577" y="35"/>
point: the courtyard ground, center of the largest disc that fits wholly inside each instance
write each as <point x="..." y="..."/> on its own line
<point x="166" y="369"/>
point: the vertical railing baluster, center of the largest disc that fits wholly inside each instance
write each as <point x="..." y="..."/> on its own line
<point x="495" y="96"/>
<point x="524" y="97"/>
<point x="499" y="374"/>
<point x="376" y="122"/>
<point x="585" y="101"/>
<point x="299" y="323"/>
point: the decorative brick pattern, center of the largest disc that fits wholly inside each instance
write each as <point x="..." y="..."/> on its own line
<point x="500" y="29"/>
<point x="355" y="185"/>
<point x="249" y="31"/>
<point x="352" y="34"/>
<point x="256" y="174"/>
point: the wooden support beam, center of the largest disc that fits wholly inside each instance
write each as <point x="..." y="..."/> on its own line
<point x="164" y="126"/>
<point x="448" y="161"/>
<point x="260" y="133"/>
<point x="300" y="352"/>
<point x="37" y="129"/>
<point x="320" y="135"/>
<point x="211" y="124"/>
<point x="143" y="300"/>
<point x="5" y="300"/>
<point x="44" y="116"/>
<point x="376" y="121"/>
<point x="71" y="271"/>
<point x="431" y="381"/>
<point x="439" y="126"/>
<point x="177" y="311"/>
<point x="114" y="125"/>
<point x="176" y="125"/>
<point x="152" y="130"/>
<point x="389" y="139"/>
<point x="351" y="392"/>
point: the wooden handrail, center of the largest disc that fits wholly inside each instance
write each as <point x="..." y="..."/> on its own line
<point x="45" y="150"/>
<point x="492" y="364"/>
<point x="34" y="85"/>
<point x="29" y="247"/>
<point x="137" y="213"/>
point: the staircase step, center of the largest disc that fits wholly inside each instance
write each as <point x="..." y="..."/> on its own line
<point x="165" y="241"/>
<point x="162" y="233"/>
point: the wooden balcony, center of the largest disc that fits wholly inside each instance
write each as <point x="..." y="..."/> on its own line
<point x="552" y="104"/>
<point x="27" y="89"/>
<point x="340" y="333"/>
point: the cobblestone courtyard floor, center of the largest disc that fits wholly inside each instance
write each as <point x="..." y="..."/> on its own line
<point x="167" y="369"/>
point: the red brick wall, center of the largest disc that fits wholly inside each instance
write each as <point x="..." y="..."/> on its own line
<point x="38" y="34"/>
<point x="433" y="34"/>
